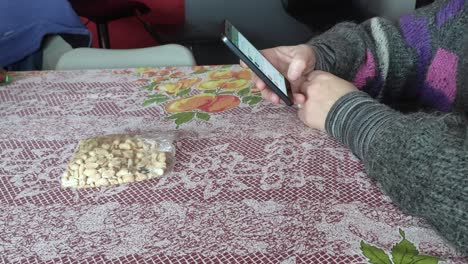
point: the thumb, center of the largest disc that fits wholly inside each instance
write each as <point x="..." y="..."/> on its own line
<point x="296" y="68"/>
<point x="301" y="60"/>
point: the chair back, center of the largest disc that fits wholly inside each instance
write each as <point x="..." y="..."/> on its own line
<point x="103" y="11"/>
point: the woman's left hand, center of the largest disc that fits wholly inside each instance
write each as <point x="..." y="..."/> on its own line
<point x="321" y="90"/>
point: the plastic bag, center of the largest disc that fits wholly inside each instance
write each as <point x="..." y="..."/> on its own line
<point x="118" y="159"/>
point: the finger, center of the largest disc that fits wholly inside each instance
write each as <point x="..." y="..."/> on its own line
<point x="296" y="68"/>
<point x="242" y="64"/>
<point x="274" y="98"/>
<point x="266" y="94"/>
<point x="258" y="83"/>
<point x="304" y="87"/>
<point x="297" y="83"/>
<point x="301" y="60"/>
<point x="299" y="99"/>
<point x="301" y="114"/>
<point x="270" y="96"/>
<point x="278" y="58"/>
<point x="313" y="75"/>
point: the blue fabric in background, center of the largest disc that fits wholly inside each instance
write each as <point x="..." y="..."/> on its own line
<point x="24" y="23"/>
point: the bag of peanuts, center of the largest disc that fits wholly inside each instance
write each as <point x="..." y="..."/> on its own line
<point x="118" y="159"/>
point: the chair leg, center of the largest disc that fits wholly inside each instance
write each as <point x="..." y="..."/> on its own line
<point x="103" y="35"/>
<point x="156" y="36"/>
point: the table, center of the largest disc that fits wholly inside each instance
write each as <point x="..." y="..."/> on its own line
<point x="251" y="184"/>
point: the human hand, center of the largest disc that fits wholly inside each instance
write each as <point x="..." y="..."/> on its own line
<point x="294" y="62"/>
<point x="321" y="90"/>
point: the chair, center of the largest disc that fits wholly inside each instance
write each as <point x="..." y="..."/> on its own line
<point x="59" y="55"/>
<point x="102" y="12"/>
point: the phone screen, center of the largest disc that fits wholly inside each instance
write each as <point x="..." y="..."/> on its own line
<point x="257" y="58"/>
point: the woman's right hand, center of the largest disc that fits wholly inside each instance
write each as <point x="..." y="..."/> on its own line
<point x="294" y="62"/>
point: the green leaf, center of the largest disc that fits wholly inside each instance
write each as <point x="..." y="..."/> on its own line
<point x="178" y="115"/>
<point x="255" y="100"/>
<point x="200" y="71"/>
<point x="182" y="118"/>
<point x="402" y="233"/>
<point x="185" y="118"/>
<point x="149" y="101"/>
<point x="183" y="92"/>
<point x="251" y="99"/>
<point x="210" y="91"/>
<point x="374" y="254"/>
<point x="226" y="66"/>
<point x="244" y="92"/>
<point x="203" y="116"/>
<point x="403" y="252"/>
<point x="423" y="259"/>
<point x="150" y="86"/>
<point x="226" y="92"/>
<point x="246" y="99"/>
<point x="406" y="253"/>
<point x="157" y="100"/>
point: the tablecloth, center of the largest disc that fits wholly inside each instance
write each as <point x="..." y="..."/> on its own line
<point x="251" y="183"/>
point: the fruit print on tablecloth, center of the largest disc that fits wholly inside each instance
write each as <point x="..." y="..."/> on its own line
<point x="199" y="93"/>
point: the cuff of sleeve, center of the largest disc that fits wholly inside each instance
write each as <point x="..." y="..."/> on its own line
<point x="324" y="57"/>
<point x="355" y="119"/>
<point x="340" y="50"/>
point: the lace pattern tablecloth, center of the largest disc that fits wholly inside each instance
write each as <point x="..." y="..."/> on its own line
<point x="251" y="183"/>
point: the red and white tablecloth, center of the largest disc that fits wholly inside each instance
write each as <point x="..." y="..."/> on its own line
<point x="251" y="183"/>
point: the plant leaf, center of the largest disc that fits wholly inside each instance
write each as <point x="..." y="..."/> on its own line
<point x="182" y="118"/>
<point x="246" y="99"/>
<point x="200" y="71"/>
<point x="183" y="92"/>
<point x="254" y="100"/>
<point x="150" y="86"/>
<point x="203" y="116"/>
<point x="374" y="254"/>
<point x="423" y="259"/>
<point x="244" y="92"/>
<point x="403" y="252"/>
<point x="402" y="233"/>
<point x="185" y="118"/>
<point x="178" y="115"/>
<point x="226" y="92"/>
<point x="157" y="100"/>
<point x="210" y="91"/>
<point x="157" y="95"/>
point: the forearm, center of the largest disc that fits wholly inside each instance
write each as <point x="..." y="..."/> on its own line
<point x="420" y="160"/>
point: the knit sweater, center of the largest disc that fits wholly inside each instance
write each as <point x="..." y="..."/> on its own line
<point x="408" y="124"/>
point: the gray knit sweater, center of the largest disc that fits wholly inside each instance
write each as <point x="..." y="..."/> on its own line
<point x="408" y="124"/>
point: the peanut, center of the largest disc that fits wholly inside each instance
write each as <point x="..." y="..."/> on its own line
<point x="103" y="162"/>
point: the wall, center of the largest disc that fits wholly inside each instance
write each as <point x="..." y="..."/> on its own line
<point x="264" y="22"/>
<point x="391" y="9"/>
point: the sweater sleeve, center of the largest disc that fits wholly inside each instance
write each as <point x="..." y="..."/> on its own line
<point x="360" y="53"/>
<point x="420" y="160"/>
<point x="382" y="57"/>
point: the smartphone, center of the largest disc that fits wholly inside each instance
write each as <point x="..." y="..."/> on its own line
<point x="243" y="49"/>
